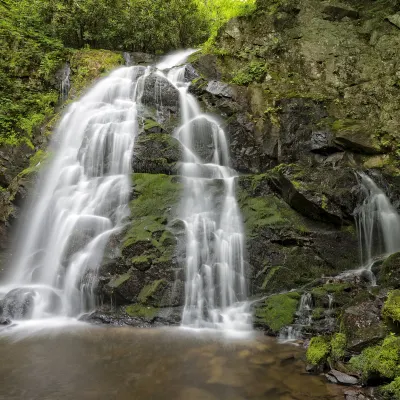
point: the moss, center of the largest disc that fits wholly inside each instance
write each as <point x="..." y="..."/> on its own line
<point x="141" y="311"/>
<point x="36" y="162"/>
<point x="338" y="346"/>
<point x="269" y="276"/>
<point x="278" y="311"/>
<point x="318" y="313"/>
<point x="380" y="361"/>
<point x="253" y="72"/>
<point x="119" y="280"/>
<point x="149" y="124"/>
<point x="392" y="390"/>
<point x="87" y="65"/>
<point x="391" y="309"/>
<point x="150" y="291"/>
<point x="318" y="350"/>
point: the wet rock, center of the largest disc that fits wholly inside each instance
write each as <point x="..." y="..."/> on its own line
<point x="156" y="153"/>
<point x="138" y="58"/>
<point x="220" y="89"/>
<point x="322" y="141"/>
<point x="337" y="13"/>
<point x="18" y="303"/>
<point x="355" y="394"/>
<point x="335" y="376"/>
<point x="394" y="19"/>
<point x="158" y="90"/>
<point x="5" y="321"/>
<point x="190" y="73"/>
<point x="389" y="272"/>
<point x="363" y="326"/>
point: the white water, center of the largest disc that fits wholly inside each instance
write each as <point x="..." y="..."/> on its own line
<point x="378" y="228"/>
<point x="81" y="200"/>
<point x="215" y="289"/>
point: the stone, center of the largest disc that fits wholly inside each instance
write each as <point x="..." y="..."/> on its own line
<point x="363" y="326"/>
<point x="394" y="19"/>
<point x="220" y="89"/>
<point x="342" y="378"/>
<point x="338" y="13"/>
<point x="389" y="272"/>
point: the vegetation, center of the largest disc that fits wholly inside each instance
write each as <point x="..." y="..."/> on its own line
<point x="278" y="311"/>
<point x="391" y="309"/>
<point x="318" y="350"/>
<point x="380" y="361"/>
<point x="338" y="346"/>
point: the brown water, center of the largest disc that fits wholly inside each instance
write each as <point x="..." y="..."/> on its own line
<point x="118" y="363"/>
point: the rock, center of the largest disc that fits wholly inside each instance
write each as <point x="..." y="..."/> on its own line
<point x="156" y="153"/>
<point x="220" y="89"/>
<point x="337" y="13"/>
<point x="158" y="90"/>
<point x="190" y="73"/>
<point x="322" y="141"/>
<point x="18" y="303"/>
<point x="341" y="378"/>
<point x="363" y="326"/>
<point x="5" y="321"/>
<point x="394" y="19"/>
<point x="138" y="58"/>
<point x="389" y="272"/>
<point x="355" y="394"/>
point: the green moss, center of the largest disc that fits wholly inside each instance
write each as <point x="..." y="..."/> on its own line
<point x="251" y="73"/>
<point x="87" y="65"/>
<point x="338" y="346"/>
<point x="36" y="162"/>
<point x="119" y="280"/>
<point x="379" y="361"/>
<point x="270" y="276"/>
<point x="330" y="288"/>
<point x="278" y="311"/>
<point x="141" y="311"/>
<point x="149" y="124"/>
<point x="150" y="291"/>
<point x="392" y="390"/>
<point x="318" y="350"/>
<point x="318" y="313"/>
<point x="391" y="309"/>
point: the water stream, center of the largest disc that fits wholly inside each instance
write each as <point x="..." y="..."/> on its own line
<point x="215" y="292"/>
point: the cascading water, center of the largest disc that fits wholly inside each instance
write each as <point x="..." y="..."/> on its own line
<point x="215" y="289"/>
<point x="378" y="227"/>
<point x="81" y="201"/>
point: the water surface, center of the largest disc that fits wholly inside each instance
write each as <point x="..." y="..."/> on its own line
<point x="83" y="362"/>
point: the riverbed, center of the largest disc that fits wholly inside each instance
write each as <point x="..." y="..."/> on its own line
<point x="80" y="361"/>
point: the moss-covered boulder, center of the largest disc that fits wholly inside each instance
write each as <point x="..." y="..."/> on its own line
<point x="277" y="311"/>
<point x="389" y="272"/>
<point x="318" y="352"/>
<point x="379" y="362"/>
<point x="363" y="325"/>
<point x="391" y="308"/>
<point x="156" y="153"/>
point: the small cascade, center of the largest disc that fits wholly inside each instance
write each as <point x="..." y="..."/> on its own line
<point x="65" y="84"/>
<point x="81" y="201"/>
<point x="215" y="291"/>
<point x="378" y="227"/>
<point x="303" y="319"/>
<point x="330" y="301"/>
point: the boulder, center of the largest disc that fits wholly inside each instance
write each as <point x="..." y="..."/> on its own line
<point x="335" y="376"/>
<point x="363" y="325"/>
<point x="389" y="272"/>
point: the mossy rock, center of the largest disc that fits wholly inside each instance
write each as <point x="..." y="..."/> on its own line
<point x="141" y="311"/>
<point x="152" y="293"/>
<point x="389" y="273"/>
<point x="391" y="308"/>
<point x="339" y="292"/>
<point x="379" y="362"/>
<point x="338" y="346"/>
<point x="391" y="391"/>
<point x="277" y="311"/>
<point x="318" y="351"/>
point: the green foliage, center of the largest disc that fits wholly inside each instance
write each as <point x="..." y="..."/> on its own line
<point x="392" y="390"/>
<point x="29" y="58"/>
<point x="391" y="309"/>
<point x="138" y="310"/>
<point x="254" y="72"/>
<point x="318" y="350"/>
<point x="379" y="361"/>
<point x="278" y="311"/>
<point x="338" y="346"/>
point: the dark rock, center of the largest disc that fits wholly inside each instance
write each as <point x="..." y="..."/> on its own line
<point x="157" y="154"/>
<point x="5" y="321"/>
<point x="389" y="272"/>
<point x="158" y="90"/>
<point x="220" y="89"/>
<point x="336" y="13"/>
<point x="341" y="377"/>
<point x="190" y="73"/>
<point x="363" y="326"/>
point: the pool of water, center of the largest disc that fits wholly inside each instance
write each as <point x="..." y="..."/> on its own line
<point x="84" y="362"/>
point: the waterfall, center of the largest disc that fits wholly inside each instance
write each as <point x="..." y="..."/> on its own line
<point x="215" y="288"/>
<point x="80" y="201"/>
<point x="378" y="223"/>
<point x="65" y="83"/>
